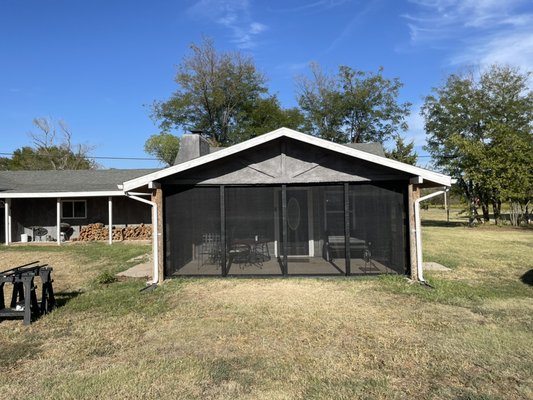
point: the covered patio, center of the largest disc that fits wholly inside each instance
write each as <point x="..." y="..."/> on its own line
<point x="287" y="230"/>
<point x="284" y="203"/>
<point x="53" y="206"/>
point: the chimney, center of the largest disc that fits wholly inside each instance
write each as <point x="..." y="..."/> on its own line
<point x="192" y="145"/>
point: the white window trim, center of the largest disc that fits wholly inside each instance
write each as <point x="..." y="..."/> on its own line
<point x="74" y="201"/>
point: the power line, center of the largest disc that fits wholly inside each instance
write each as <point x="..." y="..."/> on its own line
<point x="91" y="157"/>
<point x="130" y="158"/>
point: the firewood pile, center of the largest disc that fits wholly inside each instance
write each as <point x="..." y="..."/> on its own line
<point x="99" y="231"/>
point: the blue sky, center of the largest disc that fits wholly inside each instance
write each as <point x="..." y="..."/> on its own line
<point x="98" y="65"/>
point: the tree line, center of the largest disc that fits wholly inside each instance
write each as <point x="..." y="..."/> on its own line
<point x="52" y="148"/>
<point x="478" y="126"/>
<point x="225" y="96"/>
<point x="479" y="131"/>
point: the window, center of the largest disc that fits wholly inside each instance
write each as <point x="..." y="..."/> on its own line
<point x="71" y="209"/>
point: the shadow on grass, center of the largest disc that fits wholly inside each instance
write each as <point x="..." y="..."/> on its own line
<point x="527" y="278"/>
<point x="442" y="224"/>
<point x="62" y="298"/>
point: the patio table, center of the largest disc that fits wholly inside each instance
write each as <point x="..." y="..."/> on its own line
<point x="249" y="251"/>
<point x="258" y="247"/>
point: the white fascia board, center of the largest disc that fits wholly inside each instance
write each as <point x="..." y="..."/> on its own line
<point x="59" y="194"/>
<point x="431" y="176"/>
<point x="145" y="180"/>
<point x="363" y="155"/>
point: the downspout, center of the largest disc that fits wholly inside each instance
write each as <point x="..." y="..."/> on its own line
<point x="155" y="250"/>
<point x="418" y="233"/>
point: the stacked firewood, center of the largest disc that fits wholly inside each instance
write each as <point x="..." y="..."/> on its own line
<point x="139" y="232"/>
<point x="99" y="231"/>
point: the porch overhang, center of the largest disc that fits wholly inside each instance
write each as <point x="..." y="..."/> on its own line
<point x="430" y="178"/>
<point x="50" y="195"/>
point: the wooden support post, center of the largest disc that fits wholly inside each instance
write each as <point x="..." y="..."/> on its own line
<point x="157" y="197"/>
<point x="413" y="193"/>
<point x="110" y="221"/>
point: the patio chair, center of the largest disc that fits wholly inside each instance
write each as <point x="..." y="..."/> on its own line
<point x="39" y="231"/>
<point x="209" y="251"/>
<point x="240" y="253"/>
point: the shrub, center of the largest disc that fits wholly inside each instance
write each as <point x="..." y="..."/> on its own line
<point x="105" y="278"/>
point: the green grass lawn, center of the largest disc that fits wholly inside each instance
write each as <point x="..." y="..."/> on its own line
<point x="470" y="337"/>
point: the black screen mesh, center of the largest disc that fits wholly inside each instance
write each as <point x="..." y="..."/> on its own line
<point x="315" y="217"/>
<point x="192" y="231"/>
<point x="252" y="238"/>
<point x="377" y="228"/>
<point x="326" y="227"/>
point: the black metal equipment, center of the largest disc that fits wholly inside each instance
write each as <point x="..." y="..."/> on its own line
<point x="24" y="302"/>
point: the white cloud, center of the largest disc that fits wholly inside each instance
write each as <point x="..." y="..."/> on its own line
<point x="317" y="6"/>
<point x="256" y="27"/>
<point x="235" y="15"/>
<point x="481" y="32"/>
<point x="513" y="48"/>
<point x="298" y="66"/>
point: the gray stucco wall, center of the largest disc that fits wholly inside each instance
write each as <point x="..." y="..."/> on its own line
<point x="285" y="161"/>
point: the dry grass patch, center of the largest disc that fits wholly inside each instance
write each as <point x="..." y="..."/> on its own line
<point x="383" y="338"/>
<point x="75" y="266"/>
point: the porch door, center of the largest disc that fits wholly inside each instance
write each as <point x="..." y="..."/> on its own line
<point x="297" y="222"/>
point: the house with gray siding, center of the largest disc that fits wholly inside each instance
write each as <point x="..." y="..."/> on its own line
<point x="285" y="203"/>
<point x="54" y="205"/>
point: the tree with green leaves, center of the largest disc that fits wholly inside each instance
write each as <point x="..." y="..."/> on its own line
<point x="5" y="163"/>
<point x="52" y="149"/>
<point x="480" y="132"/>
<point x="352" y="106"/>
<point x="164" y="147"/>
<point x="403" y="152"/>
<point x="216" y="93"/>
<point x="265" y="115"/>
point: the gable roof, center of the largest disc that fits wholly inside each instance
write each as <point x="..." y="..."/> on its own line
<point x="372" y="148"/>
<point x="433" y="177"/>
<point x="71" y="183"/>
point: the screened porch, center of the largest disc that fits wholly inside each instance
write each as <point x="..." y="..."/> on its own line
<point x="337" y="229"/>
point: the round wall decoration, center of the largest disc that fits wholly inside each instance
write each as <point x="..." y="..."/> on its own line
<point x="293" y="214"/>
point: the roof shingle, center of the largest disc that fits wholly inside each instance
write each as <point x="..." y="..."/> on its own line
<point x="67" y="181"/>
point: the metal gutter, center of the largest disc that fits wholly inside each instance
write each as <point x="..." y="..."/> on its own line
<point x="418" y="233"/>
<point x="155" y="233"/>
